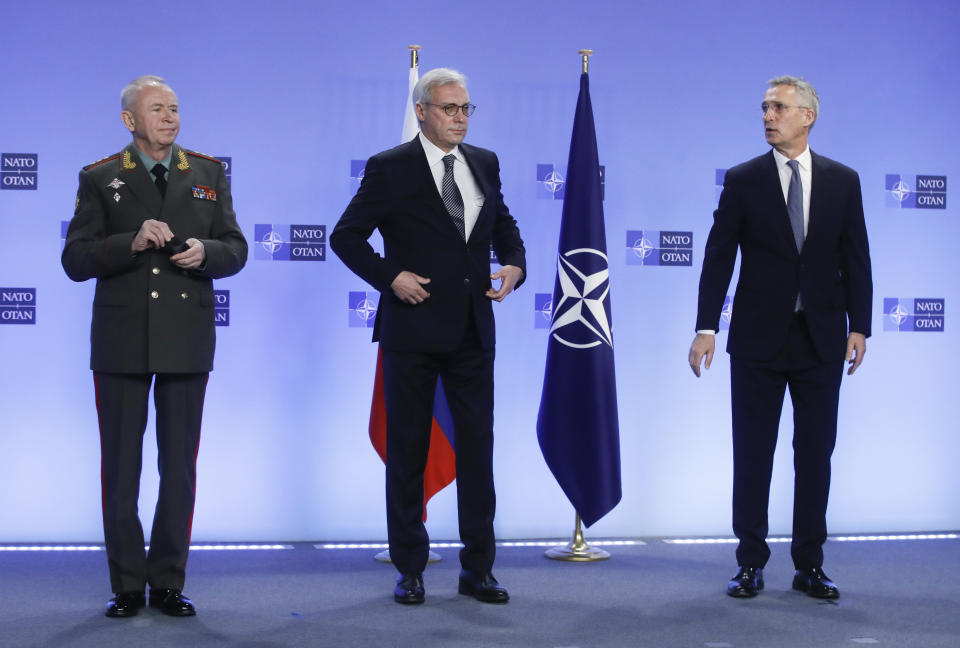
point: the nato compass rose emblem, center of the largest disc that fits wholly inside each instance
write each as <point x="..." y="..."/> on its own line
<point x="581" y="312"/>
<point x="727" y="311"/>
<point x="553" y="181"/>
<point x="365" y="309"/>
<point x="900" y="191"/>
<point x="272" y="241"/>
<point x="898" y="314"/>
<point x="642" y="247"/>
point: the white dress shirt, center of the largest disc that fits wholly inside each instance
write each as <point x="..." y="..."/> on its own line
<point x="472" y="198"/>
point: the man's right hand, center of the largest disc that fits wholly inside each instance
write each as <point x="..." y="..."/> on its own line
<point x="408" y="287"/>
<point x="152" y="233"/>
<point x="703" y="345"/>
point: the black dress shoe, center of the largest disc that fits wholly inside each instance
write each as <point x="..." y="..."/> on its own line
<point x="747" y="583"/>
<point x="483" y="587"/>
<point x="815" y="583"/>
<point x="409" y="589"/>
<point x="125" y="604"/>
<point x="171" y="602"/>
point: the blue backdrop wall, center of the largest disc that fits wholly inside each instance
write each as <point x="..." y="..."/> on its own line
<point x="294" y="93"/>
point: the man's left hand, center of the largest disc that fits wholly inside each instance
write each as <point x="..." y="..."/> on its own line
<point x="856" y="347"/>
<point x="509" y="276"/>
<point x="192" y="258"/>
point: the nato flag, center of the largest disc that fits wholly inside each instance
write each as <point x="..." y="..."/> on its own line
<point x="577" y="426"/>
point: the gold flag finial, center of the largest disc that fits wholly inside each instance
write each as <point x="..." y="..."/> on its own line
<point x="414" y="55"/>
<point x="585" y="59"/>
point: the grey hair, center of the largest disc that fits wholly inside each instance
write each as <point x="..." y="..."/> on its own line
<point x="805" y="93"/>
<point x="433" y="78"/>
<point x="130" y="92"/>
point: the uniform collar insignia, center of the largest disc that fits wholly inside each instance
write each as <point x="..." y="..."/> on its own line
<point x="127" y="162"/>
<point x="183" y="164"/>
<point x="116" y="184"/>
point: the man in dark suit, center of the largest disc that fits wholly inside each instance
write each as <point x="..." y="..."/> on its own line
<point x="438" y="206"/>
<point x="803" y="304"/>
<point x="154" y="224"/>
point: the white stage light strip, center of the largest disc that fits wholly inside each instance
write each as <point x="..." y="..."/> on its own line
<point x="703" y="541"/>
<point x="240" y="547"/>
<point x="907" y="536"/>
<point x="51" y="547"/>
<point x="200" y="547"/>
<point x="457" y="545"/>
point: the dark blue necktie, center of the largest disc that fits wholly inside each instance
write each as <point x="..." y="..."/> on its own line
<point x="795" y="204"/>
<point x="451" y="197"/>
<point x="795" y="210"/>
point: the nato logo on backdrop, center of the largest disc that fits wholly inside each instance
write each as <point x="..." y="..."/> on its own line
<point x="18" y="305"/>
<point x="542" y="310"/>
<point x="659" y="248"/>
<point x="720" y="176"/>
<point x="916" y="192"/>
<point x="726" y="313"/>
<point x="221" y="307"/>
<point x="913" y="314"/>
<point x="227" y="163"/>
<point x="552" y="181"/>
<point x="362" y="308"/>
<point x="357" y="169"/>
<point x="290" y="242"/>
<point x="18" y="171"/>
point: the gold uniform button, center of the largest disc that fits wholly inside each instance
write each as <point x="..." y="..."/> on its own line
<point x="155" y="294"/>
<point x="183" y="295"/>
<point x="156" y="271"/>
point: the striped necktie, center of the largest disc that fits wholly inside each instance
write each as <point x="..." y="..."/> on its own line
<point x="451" y="197"/>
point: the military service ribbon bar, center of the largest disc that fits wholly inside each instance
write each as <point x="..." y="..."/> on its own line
<point x="205" y="193"/>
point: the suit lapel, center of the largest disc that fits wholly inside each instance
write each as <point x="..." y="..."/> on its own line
<point x="817" y="189"/>
<point x="482" y="184"/>
<point x="139" y="180"/>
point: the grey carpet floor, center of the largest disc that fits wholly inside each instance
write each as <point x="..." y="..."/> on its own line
<point x="900" y="594"/>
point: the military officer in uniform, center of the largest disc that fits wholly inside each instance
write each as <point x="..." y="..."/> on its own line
<point x="154" y="225"/>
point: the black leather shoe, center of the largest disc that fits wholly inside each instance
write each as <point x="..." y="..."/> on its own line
<point x="747" y="583"/>
<point x="172" y="602"/>
<point x="815" y="583"/>
<point x="483" y="587"/>
<point x="125" y="604"/>
<point x="409" y="589"/>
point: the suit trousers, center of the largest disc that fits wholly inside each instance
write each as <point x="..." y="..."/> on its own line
<point x="757" y="391"/>
<point x="409" y="380"/>
<point x="122" y="412"/>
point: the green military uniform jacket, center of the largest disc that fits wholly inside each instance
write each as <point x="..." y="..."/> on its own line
<point x="149" y="315"/>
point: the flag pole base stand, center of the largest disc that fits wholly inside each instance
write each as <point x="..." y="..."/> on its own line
<point x="384" y="557"/>
<point x="577" y="550"/>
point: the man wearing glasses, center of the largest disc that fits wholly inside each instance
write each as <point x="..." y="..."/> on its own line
<point x="802" y="306"/>
<point x="438" y="206"/>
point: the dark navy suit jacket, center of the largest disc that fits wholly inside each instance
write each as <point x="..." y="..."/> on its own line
<point x="399" y="197"/>
<point x="832" y="275"/>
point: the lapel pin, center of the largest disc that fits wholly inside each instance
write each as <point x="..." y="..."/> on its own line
<point x="117" y="183"/>
<point x="116" y="197"/>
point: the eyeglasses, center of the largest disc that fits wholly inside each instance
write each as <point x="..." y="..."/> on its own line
<point x="451" y="109"/>
<point x="778" y="107"/>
